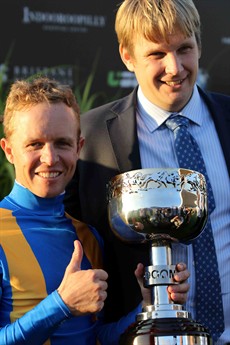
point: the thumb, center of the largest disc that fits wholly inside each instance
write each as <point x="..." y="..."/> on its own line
<point x="75" y="262"/>
<point x="139" y="272"/>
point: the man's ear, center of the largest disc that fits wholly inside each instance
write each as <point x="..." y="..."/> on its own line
<point x="80" y="144"/>
<point x="5" y="145"/>
<point x="126" y="58"/>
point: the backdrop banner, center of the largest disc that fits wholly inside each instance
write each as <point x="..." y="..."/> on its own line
<point x="75" y="42"/>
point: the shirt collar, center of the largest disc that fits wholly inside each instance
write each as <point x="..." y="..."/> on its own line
<point x="24" y="199"/>
<point x="154" y="116"/>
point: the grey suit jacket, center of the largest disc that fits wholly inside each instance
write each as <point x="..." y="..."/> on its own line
<point x="111" y="147"/>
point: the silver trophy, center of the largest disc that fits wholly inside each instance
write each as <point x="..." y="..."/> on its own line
<point x="160" y="207"/>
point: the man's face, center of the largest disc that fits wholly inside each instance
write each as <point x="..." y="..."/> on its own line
<point x="43" y="148"/>
<point x="166" y="72"/>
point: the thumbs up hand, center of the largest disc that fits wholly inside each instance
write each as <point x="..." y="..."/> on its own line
<point x="83" y="291"/>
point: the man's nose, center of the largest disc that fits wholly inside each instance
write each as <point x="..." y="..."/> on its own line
<point x="49" y="155"/>
<point x="173" y="64"/>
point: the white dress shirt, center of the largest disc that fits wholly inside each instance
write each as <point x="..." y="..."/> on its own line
<point x="156" y="143"/>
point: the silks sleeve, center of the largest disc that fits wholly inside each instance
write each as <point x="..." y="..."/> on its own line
<point x="37" y="325"/>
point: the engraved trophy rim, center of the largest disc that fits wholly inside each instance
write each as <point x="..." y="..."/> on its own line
<point x="157" y="203"/>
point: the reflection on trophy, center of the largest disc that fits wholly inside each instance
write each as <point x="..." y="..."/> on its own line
<point x="160" y="207"/>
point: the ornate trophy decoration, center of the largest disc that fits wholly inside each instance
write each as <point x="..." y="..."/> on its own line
<point x="160" y="207"/>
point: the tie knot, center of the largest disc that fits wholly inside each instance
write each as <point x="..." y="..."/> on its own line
<point x="176" y="121"/>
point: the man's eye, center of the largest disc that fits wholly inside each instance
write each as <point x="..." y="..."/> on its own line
<point x="185" y="49"/>
<point x="62" y="143"/>
<point x="157" y="54"/>
<point x="35" y="145"/>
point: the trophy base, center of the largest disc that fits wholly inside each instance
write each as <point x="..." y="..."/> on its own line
<point x="166" y="331"/>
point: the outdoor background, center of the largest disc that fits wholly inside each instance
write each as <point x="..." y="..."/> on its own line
<point x="75" y="42"/>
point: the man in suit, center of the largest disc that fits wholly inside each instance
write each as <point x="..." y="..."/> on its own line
<point x="160" y="42"/>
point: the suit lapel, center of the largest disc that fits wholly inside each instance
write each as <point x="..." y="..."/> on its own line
<point x="122" y="123"/>
<point x="219" y="106"/>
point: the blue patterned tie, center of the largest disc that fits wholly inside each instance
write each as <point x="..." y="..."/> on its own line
<point x="208" y="291"/>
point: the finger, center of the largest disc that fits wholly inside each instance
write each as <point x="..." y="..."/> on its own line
<point x="103" y="285"/>
<point x="181" y="277"/>
<point x="75" y="262"/>
<point x="103" y="295"/>
<point x="182" y="274"/>
<point x="178" y="297"/>
<point x="139" y="273"/>
<point x="178" y="294"/>
<point x="100" y="275"/>
<point x="179" y="289"/>
<point x="181" y="266"/>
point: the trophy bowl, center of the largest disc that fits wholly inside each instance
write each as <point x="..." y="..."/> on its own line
<point x="158" y="203"/>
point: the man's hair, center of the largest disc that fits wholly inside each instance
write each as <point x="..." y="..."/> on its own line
<point x="25" y="94"/>
<point x="155" y="20"/>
